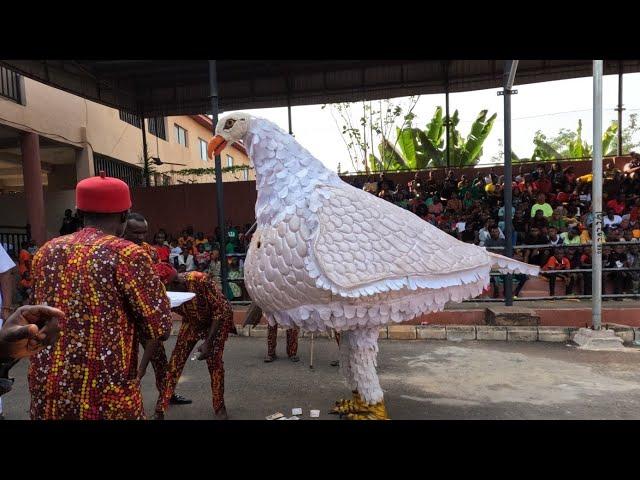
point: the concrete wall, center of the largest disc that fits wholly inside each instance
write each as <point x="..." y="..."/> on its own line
<point x="73" y="120"/>
<point x="13" y="210"/>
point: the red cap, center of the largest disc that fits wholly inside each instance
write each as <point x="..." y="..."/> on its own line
<point x="165" y="271"/>
<point x="102" y="195"/>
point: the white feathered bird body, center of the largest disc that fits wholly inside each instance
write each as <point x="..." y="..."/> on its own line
<point x="328" y="255"/>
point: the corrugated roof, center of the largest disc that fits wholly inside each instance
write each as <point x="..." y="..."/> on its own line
<point x="167" y="87"/>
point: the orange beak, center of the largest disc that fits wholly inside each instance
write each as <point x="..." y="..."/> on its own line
<point x="216" y="144"/>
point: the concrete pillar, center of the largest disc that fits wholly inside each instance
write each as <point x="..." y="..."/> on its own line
<point x="32" y="176"/>
<point x="84" y="163"/>
<point x="84" y="158"/>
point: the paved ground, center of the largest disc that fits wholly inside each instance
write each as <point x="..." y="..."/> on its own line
<point x="422" y="380"/>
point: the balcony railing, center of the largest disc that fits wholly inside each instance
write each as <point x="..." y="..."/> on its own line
<point x="10" y="85"/>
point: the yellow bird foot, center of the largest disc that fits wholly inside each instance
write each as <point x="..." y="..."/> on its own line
<point x="370" y="412"/>
<point x="345" y="406"/>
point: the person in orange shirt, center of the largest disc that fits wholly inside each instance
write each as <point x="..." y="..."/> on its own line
<point x="558" y="261"/>
<point x="24" y="259"/>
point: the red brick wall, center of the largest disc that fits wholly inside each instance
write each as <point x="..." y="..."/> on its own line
<point x="177" y="206"/>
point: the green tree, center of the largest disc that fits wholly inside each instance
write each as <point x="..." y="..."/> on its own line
<point x="426" y="148"/>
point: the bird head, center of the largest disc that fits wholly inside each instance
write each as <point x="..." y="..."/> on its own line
<point x="231" y="128"/>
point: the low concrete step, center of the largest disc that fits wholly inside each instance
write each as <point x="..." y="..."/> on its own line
<point x="501" y="315"/>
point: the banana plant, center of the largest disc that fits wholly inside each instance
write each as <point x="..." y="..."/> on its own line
<point x="573" y="146"/>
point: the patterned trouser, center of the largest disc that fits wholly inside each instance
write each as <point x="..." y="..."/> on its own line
<point x="187" y="339"/>
<point x="292" y="341"/>
<point x="159" y="363"/>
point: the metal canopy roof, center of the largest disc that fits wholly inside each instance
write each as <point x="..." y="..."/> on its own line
<point x="181" y="87"/>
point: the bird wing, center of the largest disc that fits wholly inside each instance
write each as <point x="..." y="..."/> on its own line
<point x="365" y="245"/>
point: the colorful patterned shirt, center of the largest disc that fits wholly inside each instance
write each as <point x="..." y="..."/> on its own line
<point x="107" y="288"/>
<point x="208" y="305"/>
<point x="151" y="251"/>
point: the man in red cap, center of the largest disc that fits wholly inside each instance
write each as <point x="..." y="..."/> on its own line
<point x="136" y="231"/>
<point x="107" y="289"/>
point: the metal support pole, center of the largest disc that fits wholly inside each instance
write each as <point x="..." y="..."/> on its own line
<point x="596" y="197"/>
<point x="213" y="88"/>
<point x="289" y="114"/>
<point x="145" y="154"/>
<point x="619" y="109"/>
<point x="510" y="67"/>
<point x="446" y="107"/>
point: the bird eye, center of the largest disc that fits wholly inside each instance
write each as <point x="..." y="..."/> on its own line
<point x="229" y="123"/>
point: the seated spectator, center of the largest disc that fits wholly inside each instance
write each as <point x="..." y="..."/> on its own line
<point x="565" y="195"/>
<point x="235" y="273"/>
<point x="495" y="239"/>
<point x="558" y="261"/>
<point x="454" y="205"/>
<point x="186" y="258"/>
<point x="554" y="238"/>
<point x="174" y="252"/>
<point x="611" y="219"/>
<point x="557" y="220"/>
<point x="632" y="167"/>
<point x="435" y="204"/>
<point x="539" y="221"/>
<point x="618" y="204"/>
<point x="541" y="204"/>
<point x="214" y="266"/>
<point x="570" y="176"/>
<point x="485" y="233"/>
<point x="617" y="259"/>
<point x="164" y="252"/>
<point x="520" y="278"/>
<point x="468" y="235"/>
<point x="534" y="237"/>
<point x="585" y="235"/>
<point x="542" y="184"/>
<point x="633" y="261"/>
<point x="202" y="258"/>
<point x="200" y="240"/>
<point x="571" y="237"/>
<point x="185" y="238"/>
<point x="557" y="177"/>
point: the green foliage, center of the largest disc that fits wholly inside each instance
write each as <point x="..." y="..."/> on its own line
<point x="427" y="148"/>
<point x="201" y="172"/>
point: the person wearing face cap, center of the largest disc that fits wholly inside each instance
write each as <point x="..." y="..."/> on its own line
<point x="108" y="290"/>
<point x="136" y="231"/>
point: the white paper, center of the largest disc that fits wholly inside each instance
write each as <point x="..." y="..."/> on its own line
<point x="178" y="298"/>
<point x="296" y="411"/>
<point x="275" y="416"/>
<point x="315" y="413"/>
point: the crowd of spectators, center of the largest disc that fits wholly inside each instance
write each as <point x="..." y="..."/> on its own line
<point x="551" y="211"/>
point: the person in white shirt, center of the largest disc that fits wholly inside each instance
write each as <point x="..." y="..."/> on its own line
<point x="186" y="258"/>
<point x="611" y="219"/>
<point x="485" y="233"/>
<point x="6" y="291"/>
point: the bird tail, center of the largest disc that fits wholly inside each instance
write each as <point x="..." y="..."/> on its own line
<point x="509" y="265"/>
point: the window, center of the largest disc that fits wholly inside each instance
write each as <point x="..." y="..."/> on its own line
<point x="181" y="135"/>
<point x="203" y="149"/>
<point x="245" y="174"/>
<point x="130" y="174"/>
<point x="131" y="119"/>
<point x="229" y="161"/>
<point x="9" y="84"/>
<point x="156" y="127"/>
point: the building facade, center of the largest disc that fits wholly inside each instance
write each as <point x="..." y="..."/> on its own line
<point x="50" y="139"/>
